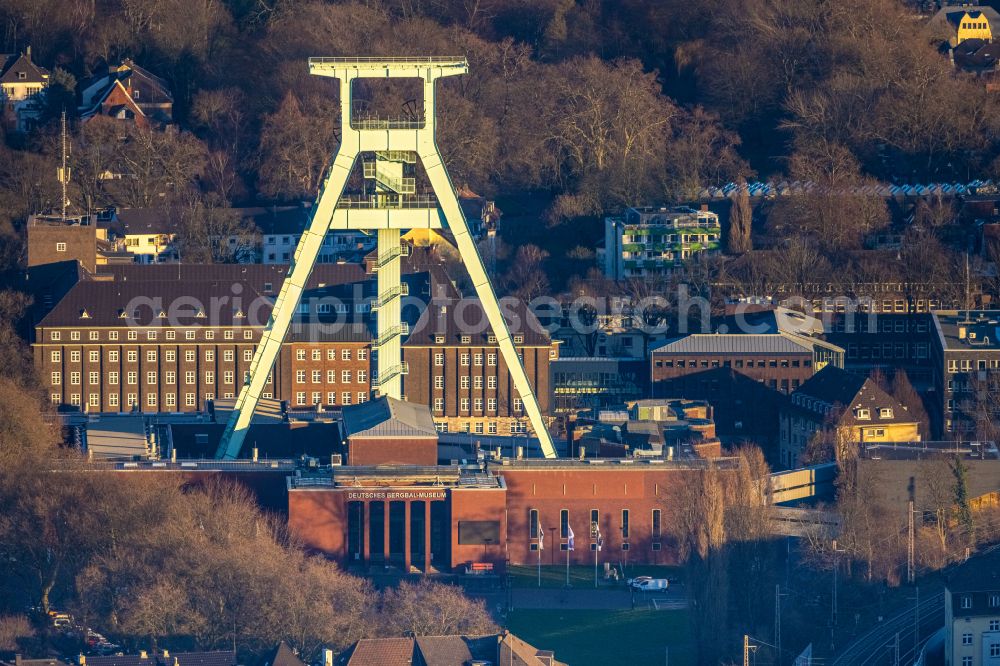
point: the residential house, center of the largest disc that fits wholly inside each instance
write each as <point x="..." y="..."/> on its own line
<point x="84" y="238"/>
<point x="505" y="648"/>
<point x="282" y="226"/>
<point x="957" y="23"/>
<point x="127" y="92"/>
<point x="972" y="612"/>
<point x="650" y="242"/>
<point x="21" y="85"/>
<point x="850" y="409"/>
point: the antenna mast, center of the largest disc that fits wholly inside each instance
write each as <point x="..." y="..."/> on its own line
<point x="64" y="170"/>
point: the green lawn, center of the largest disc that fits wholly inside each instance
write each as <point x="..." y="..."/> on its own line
<point x="583" y="576"/>
<point x="582" y="637"/>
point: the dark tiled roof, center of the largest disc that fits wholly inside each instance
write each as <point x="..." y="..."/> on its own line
<point x="381" y="652"/>
<point x="978" y="574"/>
<point x="141" y="302"/>
<point x="138" y="221"/>
<point x="455" y="318"/>
<point x="21" y="63"/>
<point x="258" y="275"/>
<point x="218" y="658"/>
<point x="833" y="386"/>
<point x="388" y="417"/>
<point x="281" y="655"/>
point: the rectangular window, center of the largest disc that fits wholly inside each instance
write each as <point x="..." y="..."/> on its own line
<point x="966" y="601"/>
<point x="228" y="355"/>
<point x="477" y="382"/>
<point x="209" y="377"/>
<point x="227" y="376"/>
<point x="362" y="354"/>
<point x="112" y="400"/>
<point x="362" y="396"/>
<point x="491" y="359"/>
<point x="345" y="397"/>
<point x="56" y="356"/>
<point x="74" y="378"/>
<point x="113" y="378"/>
<point x="169" y="377"/>
<point x="94" y="400"/>
<point x="316" y="355"/>
<point x="966" y="639"/>
<point x="95" y="378"/>
<point x="171" y="335"/>
<point x="464" y="381"/>
<point x="132" y="356"/>
<point x="248" y="335"/>
<point x="478" y="404"/>
<point x="625" y="525"/>
<point x="595" y="517"/>
<point x="331" y="354"/>
<point x="74" y="399"/>
<point x="345" y="355"/>
<point x="491" y="382"/>
<point x="74" y="357"/>
<point x="300" y="398"/>
<point x="317" y="376"/>
<point x="478" y="360"/>
<point x="247" y="354"/>
<point x="95" y="356"/>
<point x="189" y="335"/>
<point x="169" y="356"/>
<point x="331" y="398"/>
<point x="300" y="376"/>
<point x="317" y="397"/>
<point x="209" y="355"/>
<point x="189" y="399"/>
<point x="564" y="524"/>
<point x="464" y="359"/>
<point x="491" y="404"/>
<point x="464" y="404"/>
<point x="60" y="247"/>
<point x="189" y="377"/>
<point x="517" y="404"/>
<point x="439" y="359"/>
<point x="656" y="524"/>
<point x="170" y="400"/>
<point x="189" y="355"/>
<point x="151" y="400"/>
<point x="533" y="524"/>
<point x="56" y="378"/>
<point x="54" y="335"/>
<point x="438" y="404"/>
<point x="362" y="376"/>
<point x="331" y="376"/>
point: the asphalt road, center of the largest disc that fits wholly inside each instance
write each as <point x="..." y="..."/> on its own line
<point x="878" y="646"/>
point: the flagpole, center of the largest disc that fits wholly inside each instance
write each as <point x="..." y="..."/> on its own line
<point x="539" y="552"/>
<point x="595" y="565"/>
<point x="567" y="567"/>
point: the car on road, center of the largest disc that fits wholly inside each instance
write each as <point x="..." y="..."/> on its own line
<point x="649" y="584"/>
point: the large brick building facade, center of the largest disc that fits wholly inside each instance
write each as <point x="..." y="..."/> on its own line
<point x="455" y="367"/>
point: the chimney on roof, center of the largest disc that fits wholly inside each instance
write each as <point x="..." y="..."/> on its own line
<point x="166" y="654"/>
<point x="143" y="654"/>
<point x="327" y="657"/>
<point x="27" y="52"/>
<point x="704" y="207"/>
<point x="82" y="659"/>
<point x="961" y="332"/>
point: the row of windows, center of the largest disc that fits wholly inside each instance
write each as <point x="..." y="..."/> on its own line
<point x="738" y="363"/>
<point x="535" y="528"/>
<point x="491" y="427"/>
<point x="966" y="364"/>
<point x="477" y="382"/>
<point x="331" y="376"/>
<point x="477" y="403"/>
<point x="975" y="25"/>
<point x="331" y="354"/>
<point x="331" y="398"/>
<point x="994" y="602"/>
<point x="886" y="326"/>
<point x="132" y="399"/>
<point x="887" y="350"/>
<point x="477" y="359"/>
<point x="132" y="378"/>
<point x="151" y="335"/>
<point x="132" y="356"/>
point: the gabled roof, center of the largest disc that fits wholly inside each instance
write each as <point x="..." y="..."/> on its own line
<point x="381" y="652"/>
<point x="950" y="17"/>
<point x="980" y="573"/>
<point x="833" y="386"/>
<point x="17" y="64"/>
<point x="388" y="417"/>
<point x="280" y="655"/>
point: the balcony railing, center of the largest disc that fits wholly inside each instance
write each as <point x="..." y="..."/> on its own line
<point x="390" y="202"/>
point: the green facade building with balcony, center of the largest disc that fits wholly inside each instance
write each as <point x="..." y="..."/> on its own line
<point x="652" y="241"/>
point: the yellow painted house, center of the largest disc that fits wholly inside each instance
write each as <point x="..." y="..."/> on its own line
<point x="959" y="23"/>
<point x="848" y="408"/>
